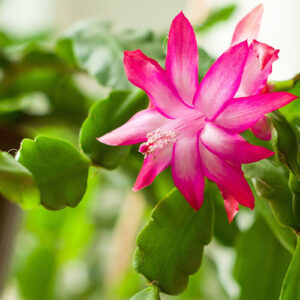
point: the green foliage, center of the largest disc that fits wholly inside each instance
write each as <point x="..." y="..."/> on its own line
<point x="59" y="170"/>
<point x="291" y="288"/>
<point x="94" y="47"/>
<point x="260" y="264"/>
<point x="291" y="111"/>
<point x="150" y="293"/>
<point x="205" y="284"/>
<point x="104" y="116"/>
<point x="286" y="143"/>
<point x="40" y="71"/>
<point x="40" y="92"/>
<point x="294" y="185"/>
<point x="284" y="235"/>
<point x="170" y="247"/>
<point x="40" y="266"/>
<point x="204" y="63"/>
<point x="149" y="42"/>
<point x="270" y="180"/>
<point x="17" y="183"/>
<point x="217" y="16"/>
<point x="50" y="243"/>
<point x="97" y="51"/>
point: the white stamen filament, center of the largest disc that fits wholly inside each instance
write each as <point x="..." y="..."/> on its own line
<point x="158" y="139"/>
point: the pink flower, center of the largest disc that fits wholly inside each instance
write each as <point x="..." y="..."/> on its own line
<point x="258" y="65"/>
<point x="192" y="127"/>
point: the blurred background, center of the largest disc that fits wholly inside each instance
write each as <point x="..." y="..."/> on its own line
<point x="279" y="27"/>
<point x="86" y="253"/>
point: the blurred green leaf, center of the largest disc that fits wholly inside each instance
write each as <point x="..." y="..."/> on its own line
<point x="9" y="40"/>
<point x="204" y="63"/>
<point x="64" y="49"/>
<point x="36" y="277"/>
<point x="270" y="180"/>
<point x="291" y="288"/>
<point x="170" y="247"/>
<point x="17" y="183"/>
<point x="286" y="143"/>
<point x="38" y="71"/>
<point x="294" y="186"/>
<point x="150" y="293"/>
<point x="35" y="104"/>
<point x="97" y="51"/>
<point x="291" y="111"/>
<point x="149" y="42"/>
<point x="261" y="263"/>
<point x="68" y="102"/>
<point x="59" y="170"/>
<point x="296" y="88"/>
<point x="104" y="116"/>
<point x="217" y="16"/>
<point x="284" y="235"/>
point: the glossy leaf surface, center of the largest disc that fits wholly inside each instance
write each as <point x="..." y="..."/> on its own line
<point x="104" y="116"/>
<point x="59" y="170"/>
<point x="170" y="247"/>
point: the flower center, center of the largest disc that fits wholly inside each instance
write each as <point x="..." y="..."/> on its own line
<point x="157" y="140"/>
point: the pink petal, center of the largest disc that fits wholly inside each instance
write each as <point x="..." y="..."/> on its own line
<point x="248" y="27"/>
<point x="182" y="58"/>
<point x="147" y="74"/>
<point x="242" y="113"/>
<point x="231" y="146"/>
<point x="262" y="129"/>
<point x="257" y="69"/>
<point x="221" y="81"/>
<point x="228" y="176"/>
<point x="187" y="170"/>
<point x="153" y="165"/>
<point x="136" y="129"/>
<point x="231" y="205"/>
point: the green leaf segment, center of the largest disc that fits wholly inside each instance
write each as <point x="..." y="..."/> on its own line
<point x="59" y="170"/>
<point x="261" y="263"/>
<point x="104" y="116"/>
<point x="291" y="287"/>
<point x="170" y="247"/>
<point x="285" y="142"/>
<point x="270" y="180"/>
<point x="54" y="173"/>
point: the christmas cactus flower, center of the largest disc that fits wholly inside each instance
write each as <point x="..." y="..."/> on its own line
<point x="195" y="128"/>
<point x="258" y="65"/>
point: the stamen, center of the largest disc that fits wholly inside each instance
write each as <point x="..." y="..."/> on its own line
<point x="158" y="139"/>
